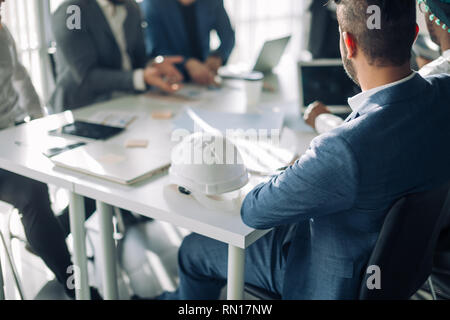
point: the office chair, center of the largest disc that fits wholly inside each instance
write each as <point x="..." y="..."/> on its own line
<point x="413" y="229"/>
<point x="439" y="282"/>
<point x="407" y="243"/>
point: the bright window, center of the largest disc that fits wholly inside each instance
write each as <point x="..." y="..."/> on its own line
<point x="21" y="17"/>
<point x="256" y="21"/>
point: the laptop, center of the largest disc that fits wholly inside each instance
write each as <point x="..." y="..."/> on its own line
<point x="271" y="54"/>
<point x="326" y="80"/>
<point x="114" y="162"/>
<point x="269" y="57"/>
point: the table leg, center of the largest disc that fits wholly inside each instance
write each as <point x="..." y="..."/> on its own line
<point x="77" y="218"/>
<point x="110" y="288"/>
<point x="236" y="266"/>
<point x="2" y="291"/>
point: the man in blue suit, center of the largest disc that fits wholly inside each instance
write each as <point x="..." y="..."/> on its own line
<point x="328" y="208"/>
<point x="183" y="27"/>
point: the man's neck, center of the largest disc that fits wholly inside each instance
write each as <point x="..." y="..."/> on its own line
<point x="374" y="77"/>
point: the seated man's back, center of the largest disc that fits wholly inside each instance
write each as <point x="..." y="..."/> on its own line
<point x="327" y="210"/>
<point x="396" y="143"/>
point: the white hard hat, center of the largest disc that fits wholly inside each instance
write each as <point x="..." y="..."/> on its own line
<point x="208" y="164"/>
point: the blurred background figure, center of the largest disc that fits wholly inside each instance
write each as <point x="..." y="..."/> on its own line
<point x="424" y="51"/>
<point x="437" y="17"/>
<point x="106" y="55"/>
<point x="323" y="40"/>
<point x="183" y="27"/>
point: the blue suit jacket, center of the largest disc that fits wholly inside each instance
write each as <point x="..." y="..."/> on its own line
<point x="340" y="191"/>
<point x="166" y="33"/>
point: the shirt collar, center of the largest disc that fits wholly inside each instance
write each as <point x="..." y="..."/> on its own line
<point x="357" y="101"/>
<point x="110" y="9"/>
<point x="107" y="7"/>
<point x="104" y="3"/>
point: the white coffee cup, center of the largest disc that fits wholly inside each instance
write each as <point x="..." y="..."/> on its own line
<point x="253" y="88"/>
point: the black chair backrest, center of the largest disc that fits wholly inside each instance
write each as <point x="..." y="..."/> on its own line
<point x="406" y="244"/>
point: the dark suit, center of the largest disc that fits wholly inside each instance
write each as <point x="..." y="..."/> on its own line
<point x="166" y="33"/>
<point x="324" y="32"/>
<point x="89" y="60"/>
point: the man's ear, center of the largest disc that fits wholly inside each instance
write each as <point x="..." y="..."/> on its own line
<point x="417" y="31"/>
<point x="350" y="44"/>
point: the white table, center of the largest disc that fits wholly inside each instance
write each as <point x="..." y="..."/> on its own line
<point x="153" y="197"/>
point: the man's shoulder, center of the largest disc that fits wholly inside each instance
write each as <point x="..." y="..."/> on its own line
<point x="440" y="88"/>
<point x="69" y="6"/>
<point x="440" y="79"/>
<point x="68" y="3"/>
<point x="67" y="11"/>
<point x="7" y="34"/>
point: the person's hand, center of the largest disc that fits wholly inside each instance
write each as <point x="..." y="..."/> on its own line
<point x="199" y="72"/>
<point x="166" y="66"/>
<point x="153" y="76"/>
<point x="313" y="111"/>
<point x="214" y="63"/>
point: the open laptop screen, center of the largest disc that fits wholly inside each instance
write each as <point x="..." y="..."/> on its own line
<point x="326" y="82"/>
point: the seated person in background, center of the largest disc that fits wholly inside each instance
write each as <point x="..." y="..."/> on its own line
<point x="436" y="21"/>
<point x="319" y="117"/>
<point x="105" y="55"/>
<point x="327" y="209"/>
<point x="183" y="27"/>
<point x="323" y="42"/>
<point x="19" y="101"/>
<point x="425" y="51"/>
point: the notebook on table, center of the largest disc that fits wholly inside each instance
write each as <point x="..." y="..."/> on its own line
<point x="115" y="162"/>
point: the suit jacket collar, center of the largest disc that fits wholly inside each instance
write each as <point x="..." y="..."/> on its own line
<point x="405" y="90"/>
<point x="357" y="101"/>
<point x="100" y="21"/>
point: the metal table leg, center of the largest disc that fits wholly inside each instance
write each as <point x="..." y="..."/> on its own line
<point x="236" y="267"/>
<point x="77" y="218"/>
<point x="110" y="287"/>
<point x="2" y="291"/>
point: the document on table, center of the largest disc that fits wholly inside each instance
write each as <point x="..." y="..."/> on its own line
<point x="224" y="121"/>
